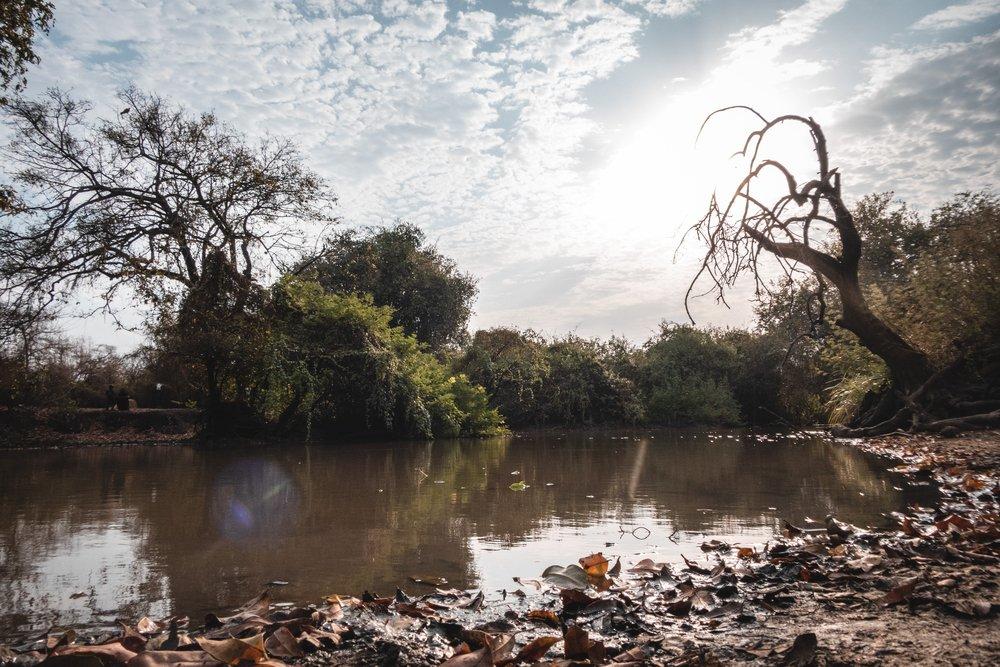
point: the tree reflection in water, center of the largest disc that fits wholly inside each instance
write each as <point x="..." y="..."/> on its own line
<point x="157" y="530"/>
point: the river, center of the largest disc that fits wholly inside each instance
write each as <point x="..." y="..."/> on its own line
<point x="91" y="534"/>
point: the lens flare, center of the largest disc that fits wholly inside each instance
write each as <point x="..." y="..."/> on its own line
<point x="254" y="498"/>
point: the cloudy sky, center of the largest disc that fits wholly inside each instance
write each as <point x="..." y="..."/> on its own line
<point x="548" y="145"/>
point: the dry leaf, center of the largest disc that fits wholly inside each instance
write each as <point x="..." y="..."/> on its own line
<point x="595" y="565"/>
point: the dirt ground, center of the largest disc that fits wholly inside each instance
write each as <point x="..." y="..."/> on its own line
<point x="907" y="633"/>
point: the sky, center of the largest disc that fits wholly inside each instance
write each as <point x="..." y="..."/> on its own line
<point x="548" y="146"/>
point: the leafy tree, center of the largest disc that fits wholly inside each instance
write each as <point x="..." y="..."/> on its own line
<point x="934" y="281"/>
<point x="512" y="366"/>
<point x="581" y="389"/>
<point x="430" y="298"/>
<point x="337" y="363"/>
<point x="685" y="378"/>
<point x="20" y="23"/>
<point x="141" y="200"/>
<point x="150" y="201"/>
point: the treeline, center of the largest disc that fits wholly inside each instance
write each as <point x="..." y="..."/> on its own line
<point x="370" y="336"/>
<point x="208" y="231"/>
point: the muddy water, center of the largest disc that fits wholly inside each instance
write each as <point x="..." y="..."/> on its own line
<point x="92" y="534"/>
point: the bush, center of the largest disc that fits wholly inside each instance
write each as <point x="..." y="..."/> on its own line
<point x="336" y="363"/>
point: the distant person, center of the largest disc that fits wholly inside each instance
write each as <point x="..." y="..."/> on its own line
<point x="123" y="402"/>
<point x="110" y="398"/>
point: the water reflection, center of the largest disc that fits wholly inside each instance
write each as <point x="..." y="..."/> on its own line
<point x="158" y="530"/>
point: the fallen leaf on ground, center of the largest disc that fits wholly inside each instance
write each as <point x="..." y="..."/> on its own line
<point x="865" y="563"/>
<point x="283" y="644"/>
<point x="545" y="616"/>
<point x="904" y="591"/>
<point x="571" y="576"/>
<point x="974" y="607"/>
<point x="480" y="658"/>
<point x="535" y="649"/>
<point x="173" y="659"/>
<point x="802" y="652"/>
<point x="647" y="565"/>
<point x="233" y="651"/>
<point x="595" y="565"/>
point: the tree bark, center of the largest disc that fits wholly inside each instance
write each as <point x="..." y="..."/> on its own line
<point x="909" y="367"/>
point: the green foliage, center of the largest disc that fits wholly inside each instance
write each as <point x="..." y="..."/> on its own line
<point x="569" y="382"/>
<point x="949" y="301"/>
<point x="430" y="298"/>
<point x="685" y="377"/>
<point x="512" y="366"/>
<point x="582" y="387"/>
<point x="935" y="281"/>
<point x="20" y="23"/>
<point x="336" y="363"/>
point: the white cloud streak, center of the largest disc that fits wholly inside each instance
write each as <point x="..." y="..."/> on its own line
<point x="954" y="16"/>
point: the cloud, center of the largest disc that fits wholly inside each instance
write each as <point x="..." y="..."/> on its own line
<point x="476" y="120"/>
<point x="925" y="121"/>
<point x="954" y="16"/>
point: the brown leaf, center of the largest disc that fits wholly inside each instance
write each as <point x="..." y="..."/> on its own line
<point x="147" y="626"/>
<point x="546" y="616"/>
<point x="173" y="659"/>
<point x="647" y="565"/>
<point x="574" y="600"/>
<point x="746" y="553"/>
<point x="283" y="644"/>
<point x="233" y="651"/>
<point x="596" y="565"/>
<point x="866" y="563"/>
<point x="960" y="523"/>
<point x="901" y="592"/>
<point x="702" y="599"/>
<point x="694" y="567"/>
<point x="534" y="651"/>
<point x="633" y="655"/>
<point x="680" y="608"/>
<point x="974" y="607"/>
<point x="576" y="642"/>
<point x="792" y="530"/>
<point x="802" y="652"/>
<point x="617" y="569"/>
<point x="480" y="658"/>
<point x="258" y="605"/>
<point x="112" y="653"/>
<point x="972" y="483"/>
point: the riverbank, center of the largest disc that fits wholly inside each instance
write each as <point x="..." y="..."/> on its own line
<point x="923" y="592"/>
<point x="63" y="427"/>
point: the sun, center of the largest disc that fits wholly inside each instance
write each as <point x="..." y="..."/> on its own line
<point x="661" y="176"/>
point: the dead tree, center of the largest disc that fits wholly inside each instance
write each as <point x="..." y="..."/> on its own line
<point x="796" y="226"/>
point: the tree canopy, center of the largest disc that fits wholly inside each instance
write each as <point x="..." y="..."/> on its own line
<point x="20" y="23"/>
<point x="430" y="298"/>
<point x="142" y="199"/>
